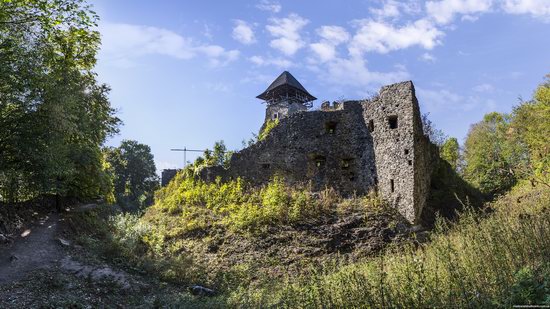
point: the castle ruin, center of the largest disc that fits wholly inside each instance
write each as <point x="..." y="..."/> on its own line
<point x="351" y="146"/>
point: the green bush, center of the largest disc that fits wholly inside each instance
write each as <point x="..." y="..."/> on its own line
<point x="198" y="205"/>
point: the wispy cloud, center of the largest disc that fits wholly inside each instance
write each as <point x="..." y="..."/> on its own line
<point x="270" y="6"/>
<point x="265" y="61"/>
<point x="427" y="57"/>
<point x="331" y="37"/>
<point x="243" y="32"/>
<point x="445" y="100"/>
<point x="444" y="12"/>
<point x="483" y="88"/>
<point x="287" y="35"/>
<point x="123" y="44"/>
<point x="537" y="8"/>
<point x="392" y="9"/>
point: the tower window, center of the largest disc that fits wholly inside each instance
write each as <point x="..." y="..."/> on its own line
<point x="406" y="151"/>
<point x="330" y="127"/>
<point x="320" y="161"/>
<point x="371" y="125"/>
<point x="392" y="186"/>
<point x="266" y="166"/>
<point x="275" y="116"/>
<point x="410" y="162"/>
<point x="392" y="120"/>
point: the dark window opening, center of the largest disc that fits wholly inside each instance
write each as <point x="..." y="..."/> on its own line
<point x="275" y="116"/>
<point x="406" y="151"/>
<point x="266" y="166"/>
<point x="320" y="161"/>
<point x="330" y="127"/>
<point x="371" y="125"/>
<point x="376" y="180"/>
<point x="410" y="162"/>
<point x="346" y="163"/>
<point x="352" y="177"/>
<point x="392" y="120"/>
<point x="392" y="186"/>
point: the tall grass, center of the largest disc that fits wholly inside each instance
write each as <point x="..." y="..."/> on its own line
<point x="499" y="259"/>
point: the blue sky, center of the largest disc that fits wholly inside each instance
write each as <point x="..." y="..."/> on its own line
<point x="186" y="73"/>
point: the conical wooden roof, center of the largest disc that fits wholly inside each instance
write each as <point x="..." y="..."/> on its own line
<point x="285" y="82"/>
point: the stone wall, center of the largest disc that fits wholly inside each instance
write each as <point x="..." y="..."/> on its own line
<point x="402" y="151"/>
<point x="352" y="146"/>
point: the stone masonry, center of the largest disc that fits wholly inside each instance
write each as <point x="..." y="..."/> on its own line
<point x="352" y="146"/>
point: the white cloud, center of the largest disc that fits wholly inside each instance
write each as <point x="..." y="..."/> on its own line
<point x="354" y="72"/>
<point x="243" y="32"/>
<point x="483" y="88"/>
<point x="427" y="57"/>
<point x="382" y="37"/>
<point x="445" y="100"/>
<point x="537" y="8"/>
<point x="122" y="44"/>
<point x="287" y="33"/>
<point x="270" y="6"/>
<point x="392" y="9"/>
<point x="443" y="12"/>
<point x="324" y="51"/>
<point x="278" y="62"/>
<point x="331" y="36"/>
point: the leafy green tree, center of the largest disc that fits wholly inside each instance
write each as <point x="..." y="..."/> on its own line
<point x="450" y="152"/>
<point x="54" y="116"/>
<point x="133" y="171"/>
<point x="487" y="156"/>
<point x="219" y="156"/>
<point x="530" y="130"/>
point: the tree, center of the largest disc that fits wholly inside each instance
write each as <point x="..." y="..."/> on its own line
<point x="487" y="156"/>
<point x="530" y="131"/>
<point x="54" y="116"/>
<point x="434" y="134"/>
<point x="132" y="168"/>
<point x="450" y="152"/>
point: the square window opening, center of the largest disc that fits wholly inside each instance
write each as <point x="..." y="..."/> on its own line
<point x="320" y="161"/>
<point x="371" y="125"/>
<point x="346" y="163"/>
<point x="410" y="162"/>
<point x="330" y="127"/>
<point x="392" y="121"/>
<point x="406" y="151"/>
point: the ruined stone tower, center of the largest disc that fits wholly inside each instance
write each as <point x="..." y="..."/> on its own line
<point x="352" y="146"/>
<point x="284" y="97"/>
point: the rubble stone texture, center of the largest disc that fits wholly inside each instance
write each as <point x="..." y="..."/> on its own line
<point x="352" y="146"/>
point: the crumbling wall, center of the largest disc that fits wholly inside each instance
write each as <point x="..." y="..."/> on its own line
<point x="401" y="150"/>
<point x="327" y="149"/>
<point x="352" y="146"/>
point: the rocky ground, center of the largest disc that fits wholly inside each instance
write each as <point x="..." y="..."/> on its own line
<point x="40" y="267"/>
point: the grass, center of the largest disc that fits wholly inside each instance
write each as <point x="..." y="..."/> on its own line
<point x="499" y="259"/>
<point x="496" y="257"/>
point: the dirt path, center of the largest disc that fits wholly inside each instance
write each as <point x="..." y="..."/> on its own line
<point x="40" y="247"/>
<point x="36" y="248"/>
